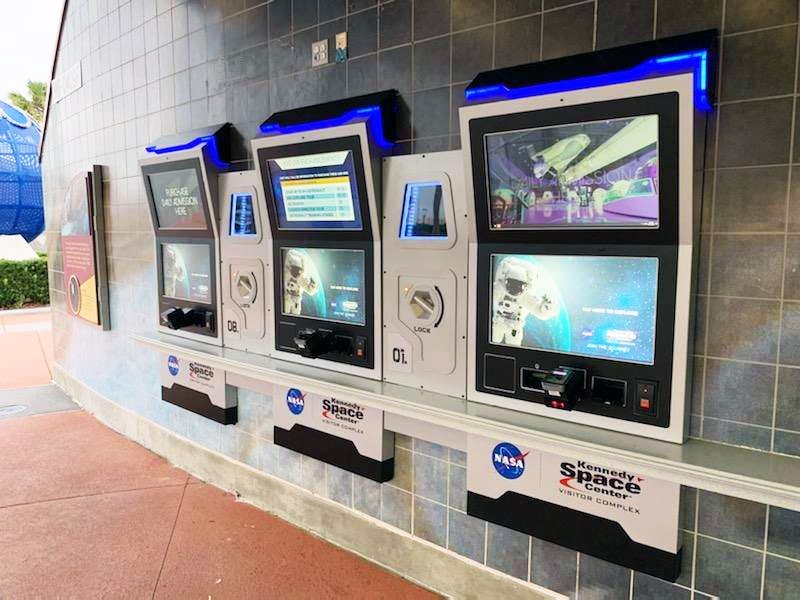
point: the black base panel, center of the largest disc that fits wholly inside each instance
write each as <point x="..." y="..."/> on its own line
<point x="333" y="450"/>
<point x="571" y="528"/>
<point x="198" y="403"/>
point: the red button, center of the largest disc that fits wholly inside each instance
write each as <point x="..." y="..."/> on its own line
<point x="644" y="403"/>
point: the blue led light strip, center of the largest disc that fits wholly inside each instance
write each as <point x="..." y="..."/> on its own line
<point x="372" y="114"/>
<point x="695" y="61"/>
<point x="211" y="144"/>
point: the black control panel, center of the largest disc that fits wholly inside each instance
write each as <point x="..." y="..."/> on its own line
<point x="584" y="388"/>
<point x="339" y="344"/>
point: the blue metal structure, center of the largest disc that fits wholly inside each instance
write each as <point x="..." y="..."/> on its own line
<point x="21" y="202"/>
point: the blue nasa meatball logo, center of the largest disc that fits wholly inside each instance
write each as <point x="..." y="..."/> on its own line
<point x="295" y="400"/>
<point x="508" y="460"/>
<point x="173" y="365"/>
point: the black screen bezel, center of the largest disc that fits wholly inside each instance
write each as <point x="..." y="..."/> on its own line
<point x="664" y="105"/>
<point x="179" y="165"/>
<point x="351" y="143"/>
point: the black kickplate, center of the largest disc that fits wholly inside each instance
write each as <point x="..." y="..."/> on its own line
<point x="198" y="403"/>
<point x="333" y="450"/>
<point x="599" y="537"/>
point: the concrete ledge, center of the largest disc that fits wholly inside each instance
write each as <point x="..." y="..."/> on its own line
<point x="417" y="560"/>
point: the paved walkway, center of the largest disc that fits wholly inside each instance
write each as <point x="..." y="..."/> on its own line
<point x="86" y="513"/>
<point x="26" y="348"/>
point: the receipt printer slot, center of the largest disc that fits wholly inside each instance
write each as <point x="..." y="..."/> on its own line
<point x="610" y="392"/>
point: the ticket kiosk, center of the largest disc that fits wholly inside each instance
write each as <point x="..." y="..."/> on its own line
<point x="580" y="172"/>
<point x="425" y="232"/>
<point x="182" y="184"/>
<point x="180" y="181"/>
<point x="321" y="172"/>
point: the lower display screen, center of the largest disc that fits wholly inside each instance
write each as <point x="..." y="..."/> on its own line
<point x="326" y="284"/>
<point x="598" y="306"/>
<point x="187" y="272"/>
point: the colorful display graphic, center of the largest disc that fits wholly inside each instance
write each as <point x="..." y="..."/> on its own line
<point x="324" y="284"/>
<point x="315" y="191"/>
<point x="423" y="211"/>
<point x="592" y="174"/>
<point x="243" y="218"/>
<point x="176" y="196"/>
<point x="83" y="251"/>
<point x="186" y="272"/>
<point x="600" y="306"/>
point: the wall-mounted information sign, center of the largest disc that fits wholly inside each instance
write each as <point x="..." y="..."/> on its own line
<point x="83" y="248"/>
<point x="334" y="430"/>
<point x="614" y="514"/>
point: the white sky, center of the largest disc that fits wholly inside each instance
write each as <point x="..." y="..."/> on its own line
<point x="28" y="32"/>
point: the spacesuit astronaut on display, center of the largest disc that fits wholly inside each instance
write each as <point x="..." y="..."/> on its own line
<point x="518" y="291"/>
<point x="296" y="282"/>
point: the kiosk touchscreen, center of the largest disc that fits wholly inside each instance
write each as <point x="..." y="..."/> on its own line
<point x="425" y="233"/>
<point x="245" y="248"/>
<point x="581" y="274"/>
<point x="322" y="186"/>
<point x="181" y="190"/>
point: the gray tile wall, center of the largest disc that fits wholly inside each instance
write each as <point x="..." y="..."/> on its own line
<point x="152" y="67"/>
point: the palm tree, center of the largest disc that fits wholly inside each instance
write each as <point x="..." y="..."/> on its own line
<point x="33" y="104"/>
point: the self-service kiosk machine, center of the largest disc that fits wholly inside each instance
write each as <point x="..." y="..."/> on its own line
<point x="425" y="233"/>
<point x="180" y="181"/>
<point x="321" y="172"/>
<point x="582" y="266"/>
<point x="581" y="172"/>
<point x="210" y="263"/>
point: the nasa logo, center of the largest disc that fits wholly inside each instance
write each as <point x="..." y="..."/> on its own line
<point x="173" y="365"/>
<point x="508" y="460"/>
<point x="295" y="400"/>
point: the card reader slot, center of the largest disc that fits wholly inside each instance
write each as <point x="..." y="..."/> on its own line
<point x="532" y="379"/>
<point x="611" y="392"/>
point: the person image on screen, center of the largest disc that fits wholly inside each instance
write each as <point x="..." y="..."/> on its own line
<point x="518" y="291"/>
<point x="176" y="279"/>
<point x="296" y="282"/>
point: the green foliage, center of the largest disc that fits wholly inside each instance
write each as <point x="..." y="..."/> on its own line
<point x="33" y="103"/>
<point x="23" y="282"/>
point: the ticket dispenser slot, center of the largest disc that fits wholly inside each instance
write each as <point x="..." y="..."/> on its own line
<point x="425" y="262"/>
<point x="245" y="261"/>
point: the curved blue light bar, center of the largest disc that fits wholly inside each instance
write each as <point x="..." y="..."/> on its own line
<point x="370" y="114"/>
<point x="209" y="140"/>
<point x="696" y="62"/>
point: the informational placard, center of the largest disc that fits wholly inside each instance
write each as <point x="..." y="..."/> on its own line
<point x="335" y="430"/>
<point x="615" y="514"/>
<point x="199" y="388"/>
<point x="83" y="249"/>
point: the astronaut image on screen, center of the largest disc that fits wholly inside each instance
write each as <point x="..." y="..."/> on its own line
<point x="600" y="306"/>
<point x="296" y="282"/>
<point x="518" y="291"/>
<point x="599" y="173"/>
<point x="176" y="279"/>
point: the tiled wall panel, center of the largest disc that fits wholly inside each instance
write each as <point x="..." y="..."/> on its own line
<point x="153" y="67"/>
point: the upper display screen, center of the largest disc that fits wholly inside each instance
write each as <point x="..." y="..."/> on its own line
<point x="186" y="270"/>
<point x="598" y="306"/>
<point x="326" y="284"/>
<point x="423" y="211"/>
<point x="316" y="191"/>
<point x="596" y="174"/>
<point x="243" y="218"/>
<point x="176" y="195"/>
